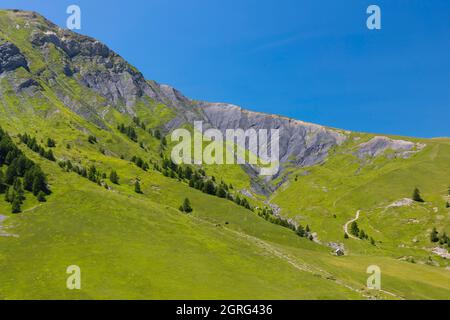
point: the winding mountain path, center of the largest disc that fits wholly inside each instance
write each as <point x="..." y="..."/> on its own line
<point x="349" y="222"/>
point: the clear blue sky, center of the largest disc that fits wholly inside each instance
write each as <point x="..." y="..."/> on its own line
<point x="313" y="60"/>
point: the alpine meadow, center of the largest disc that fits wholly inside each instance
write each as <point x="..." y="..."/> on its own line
<point x="87" y="179"/>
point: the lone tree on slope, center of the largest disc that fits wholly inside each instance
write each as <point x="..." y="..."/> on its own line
<point x="137" y="187"/>
<point x="434" y="236"/>
<point x="114" y="177"/>
<point x="186" y="207"/>
<point x="416" y="196"/>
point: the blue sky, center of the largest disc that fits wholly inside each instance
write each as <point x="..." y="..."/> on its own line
<point x="313" y="60"/>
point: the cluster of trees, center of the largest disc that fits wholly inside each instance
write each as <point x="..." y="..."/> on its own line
<point x="157" y="135"/>
<point x="139" y="123"/>
<point x="442" y="239"/>
<point x="91" y="173"/>
<point x="33" y="145"/>
<point x="197" y="179"/>
<point x="129" y="131"/>
<point x="153" y="132"/>
<point x="360" y="233"/>
<point x="242" y="202"/>
<point x="268" y="214"/>
<point x="21" y="174"/>
<point x="304" y="232"/>
<point x="140" y="163"/>
<point x="186" y="206"/>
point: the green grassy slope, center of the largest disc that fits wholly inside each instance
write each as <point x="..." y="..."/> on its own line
<point x="328" y="195"/>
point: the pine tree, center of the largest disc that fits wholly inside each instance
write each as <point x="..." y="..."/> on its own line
<point x="221" y="193"/>
<point x="39" y="184"/>
<point x="9" y="194"/>
<point x="209" y="187"/>
<point x="300" y="231"/>
<point x="51" y="143"/>
<point x="187" y="206"/>
<point x="434" y="236"/>
<point x="41" y="197"/>
<point x="18" y="189"/>
<point x="92" y="139"/>
<point x="16" y="206"/>
<point x="372" y="241"/>
<point x="2" y="182"/>
<point x="114" y="177"/>
<point x="416" y="196"/>
<point x="354" y="230"/>
<point x="49" y="155"/>
<point x="245" y="204"/>
<point x="28" y="180"/>
<point x="92" y="173"/>
<point x="188" y="173"/>
<point x="10" y="173"/>
<point x="137" y="187"/>
<point x="362" y="234"/>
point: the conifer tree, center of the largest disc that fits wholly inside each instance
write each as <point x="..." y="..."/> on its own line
<point x="434" y="236"/>
<point x="137" y="187"/>
<point x="41" y="197"/>
<point x="187" y="206"/>
<point x="416" y="195"/>
<point x="114" y="177"/>
<point x="16" y="206"/>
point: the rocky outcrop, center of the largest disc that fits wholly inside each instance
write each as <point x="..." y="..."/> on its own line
<point x="405" y="202"/>
<point x="11" y="58"/>
<point x="97" y="67"/>
<point x="379" y="145"/>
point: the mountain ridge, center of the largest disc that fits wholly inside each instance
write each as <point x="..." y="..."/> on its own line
<point x="122" y="86"/>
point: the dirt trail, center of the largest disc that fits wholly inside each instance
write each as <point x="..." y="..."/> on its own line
<point x="276" y="252"/>
<point x="349" y="222"/>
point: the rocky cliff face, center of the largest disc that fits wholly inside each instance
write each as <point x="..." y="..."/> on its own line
<point x="10" y="57"/>
<point x="97" y="67"/>
<point x="301" y="143"/>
